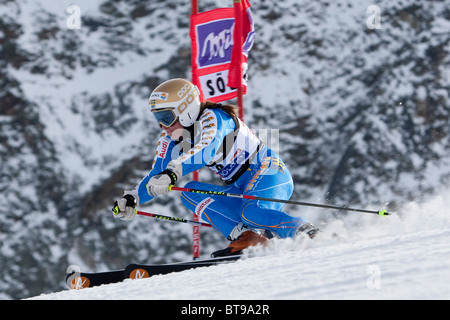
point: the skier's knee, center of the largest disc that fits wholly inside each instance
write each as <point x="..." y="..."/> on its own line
<point x="246" y="215"/>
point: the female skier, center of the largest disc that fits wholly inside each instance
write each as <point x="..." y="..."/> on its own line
<point x="196" y="135"/>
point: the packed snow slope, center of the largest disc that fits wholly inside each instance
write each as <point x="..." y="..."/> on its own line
<point x="403" y="256"/>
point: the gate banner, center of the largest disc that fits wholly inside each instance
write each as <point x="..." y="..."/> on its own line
<point x="212" y="35"/>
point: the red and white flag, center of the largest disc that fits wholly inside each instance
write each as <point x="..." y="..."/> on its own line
<point x="245" y="37"/>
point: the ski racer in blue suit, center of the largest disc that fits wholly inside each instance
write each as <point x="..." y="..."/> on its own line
<point x="197" y="135"/>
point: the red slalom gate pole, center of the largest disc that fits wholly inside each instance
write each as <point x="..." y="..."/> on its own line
<point x="195" y="217"/>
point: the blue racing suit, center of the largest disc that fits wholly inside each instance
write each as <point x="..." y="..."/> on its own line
<point x="229" y="148"/>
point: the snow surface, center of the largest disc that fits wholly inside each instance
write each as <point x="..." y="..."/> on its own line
<point x="403" y="256"/>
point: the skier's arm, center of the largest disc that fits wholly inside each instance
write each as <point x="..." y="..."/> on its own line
<point x="196" y="157"/>
<point x="125" y="207"/>
<point x="163" y="156"/>
<point x="210" y="139"/>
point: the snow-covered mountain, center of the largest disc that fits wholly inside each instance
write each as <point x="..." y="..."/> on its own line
<point x="362" y="114"/>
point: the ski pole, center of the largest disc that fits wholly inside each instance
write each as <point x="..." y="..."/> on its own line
<point x="245" y="196"/>
<point x="168" y="218"/>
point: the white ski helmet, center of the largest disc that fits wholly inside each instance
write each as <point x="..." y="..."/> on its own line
<point x="175" y="99"/>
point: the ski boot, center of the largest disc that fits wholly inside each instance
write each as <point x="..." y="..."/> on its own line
<point x="308" y="229"/>
<point x="241" y="238"/>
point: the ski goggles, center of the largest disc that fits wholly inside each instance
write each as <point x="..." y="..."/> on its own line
<point x="165" y="117"/>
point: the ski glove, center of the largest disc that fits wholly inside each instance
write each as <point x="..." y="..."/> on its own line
<point x="161" y="183"/>
<point x="125" y="207"/>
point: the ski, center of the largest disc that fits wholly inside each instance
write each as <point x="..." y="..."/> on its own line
<point x="82" y="280"/>
<point x="140" y="271"/>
